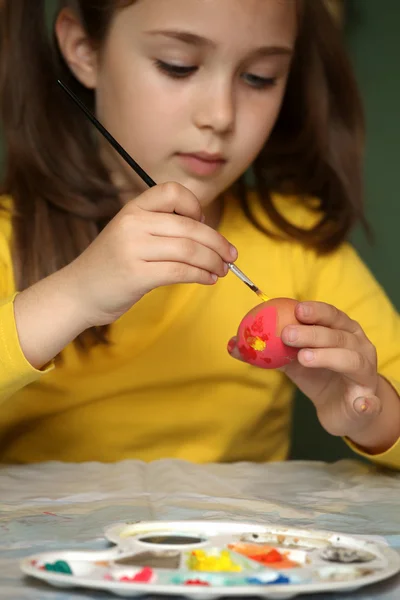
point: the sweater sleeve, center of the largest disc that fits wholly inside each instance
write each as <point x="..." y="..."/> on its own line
<point x="342" y="279"/>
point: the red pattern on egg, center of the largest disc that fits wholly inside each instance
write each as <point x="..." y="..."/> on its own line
<point x="258" y="325"/>
<point x="247" y="353"/>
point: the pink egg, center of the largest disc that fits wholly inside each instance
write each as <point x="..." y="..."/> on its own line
<point x="259" y="335"/>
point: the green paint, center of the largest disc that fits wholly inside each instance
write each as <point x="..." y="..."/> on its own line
<point x="60" y="566"/>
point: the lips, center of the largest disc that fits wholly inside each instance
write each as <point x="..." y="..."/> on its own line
<point x="208" y="157"/>
<point x="202" y="163"/>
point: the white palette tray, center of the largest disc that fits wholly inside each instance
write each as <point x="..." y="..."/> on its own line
<point x="209" y="559"/>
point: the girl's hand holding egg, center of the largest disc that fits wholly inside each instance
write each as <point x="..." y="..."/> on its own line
<point x="324" y="352"/>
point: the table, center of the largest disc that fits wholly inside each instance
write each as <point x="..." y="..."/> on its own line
<point x="55" y="506"/>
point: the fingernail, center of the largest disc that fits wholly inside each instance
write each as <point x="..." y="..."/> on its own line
<point x="293" y="334"/>
<point x="203" y="219"/>
<point x="305" y="310"/>
<point x="360" y="405"/>
<point x="369" y="406"/>
<point x="214" y="277"/>
<point x="234" y="252"/>
<point x="226" y="268"/>
<point x="231" y="345"/>
<point x="308" y="355"/>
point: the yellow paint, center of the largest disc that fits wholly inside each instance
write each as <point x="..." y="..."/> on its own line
<point x="263" y="296"/>
<point x="257" y="344"/>
<point x="200" y="561"/>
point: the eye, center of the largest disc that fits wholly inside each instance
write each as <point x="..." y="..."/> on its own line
<point x="175" y="71"/>
<point x="260" y="83"/>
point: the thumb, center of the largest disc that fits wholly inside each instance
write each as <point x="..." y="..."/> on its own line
<point x="367" y="407"/>
<point x="233" y="349"/>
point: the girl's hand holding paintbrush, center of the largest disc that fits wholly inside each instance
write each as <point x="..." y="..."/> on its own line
<point x="144" y="247"/>
<point x="158" y="239"/>
<point x="147" y="246"/>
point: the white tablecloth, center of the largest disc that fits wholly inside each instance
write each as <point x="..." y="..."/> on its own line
<point x="57" y="506"/>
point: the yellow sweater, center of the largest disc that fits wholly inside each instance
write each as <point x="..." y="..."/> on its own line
<point x="167" y="387"/>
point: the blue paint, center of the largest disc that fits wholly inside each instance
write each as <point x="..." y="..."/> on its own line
<point x="279" y="579"/>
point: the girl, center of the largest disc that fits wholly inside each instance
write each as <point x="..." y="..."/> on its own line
<point x="93" y="264"/>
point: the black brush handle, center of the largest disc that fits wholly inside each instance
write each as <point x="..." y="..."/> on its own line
<point x="131" y="162"/>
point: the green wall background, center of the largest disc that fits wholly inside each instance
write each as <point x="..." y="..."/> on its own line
<point x="373" y="39"/>
<point x="372" y="32"/>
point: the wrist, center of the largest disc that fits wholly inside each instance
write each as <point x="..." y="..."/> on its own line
<point x="48" y="316"/>
<point x="72" y="295"/>
<point x="384" y="430"/>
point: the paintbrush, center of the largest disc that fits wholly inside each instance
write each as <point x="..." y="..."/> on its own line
<point x="143" y="175"/>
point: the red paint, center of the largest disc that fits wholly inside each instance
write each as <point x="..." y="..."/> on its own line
<point x="258" y="325"/>
<point x="144" y="576"/>
<point x="196" y="582"/>
<point x="272" y="557"/>
<point x="50" y="514"/>
<point x="265" y="555"/>
<point x="248" y="353"/>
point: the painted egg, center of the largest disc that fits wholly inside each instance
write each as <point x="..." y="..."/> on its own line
<point x="259" y="335"/>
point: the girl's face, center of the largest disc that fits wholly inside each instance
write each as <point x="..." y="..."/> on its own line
<point x="192" y="88"/>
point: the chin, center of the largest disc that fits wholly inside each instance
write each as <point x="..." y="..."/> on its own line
<point x="205" y="191"/>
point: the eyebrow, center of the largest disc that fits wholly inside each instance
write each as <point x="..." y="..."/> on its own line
<point x="202" y="42"/>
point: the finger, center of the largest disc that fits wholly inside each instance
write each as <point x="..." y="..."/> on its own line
<point x="186" y="251"/>
<point x="316" y="336"/>
<point x="168" y="273"/>
<point x="233" y="349"/>
<point x="348" y="362"/>
<point x="367" y="406"/>
<point x="175" y="226"/>
<point x="169" y="198"/>
<point x="354" y="415"/>
<point x="320" y="313"/>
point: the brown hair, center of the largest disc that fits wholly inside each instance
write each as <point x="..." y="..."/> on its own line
<point x="62" y="199"/>
<point x="316" y="147"/>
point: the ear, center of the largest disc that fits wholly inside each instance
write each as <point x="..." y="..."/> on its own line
<point x="76" y="48"/>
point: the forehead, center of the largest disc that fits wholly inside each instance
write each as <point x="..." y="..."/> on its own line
<point x="261" y="21"/>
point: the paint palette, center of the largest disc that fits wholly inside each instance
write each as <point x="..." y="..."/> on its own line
<point x="209" y="559"/>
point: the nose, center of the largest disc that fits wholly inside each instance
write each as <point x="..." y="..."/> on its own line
<point x="214" y="107"/>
